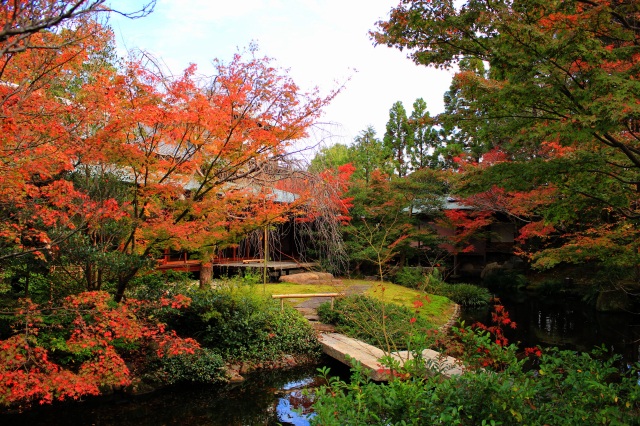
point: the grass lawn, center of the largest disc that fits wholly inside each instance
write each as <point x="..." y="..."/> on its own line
<point x="437" y="309"/>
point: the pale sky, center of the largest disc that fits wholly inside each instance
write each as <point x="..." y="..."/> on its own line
<point x="321" y="42"/>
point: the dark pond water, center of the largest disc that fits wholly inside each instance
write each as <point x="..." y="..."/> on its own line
<point x="267" y="398"/>
<point x="567" y="323"/>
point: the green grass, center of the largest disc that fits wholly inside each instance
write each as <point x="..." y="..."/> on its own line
<point x="436" y="309"/>
<point x="290" y="288"/>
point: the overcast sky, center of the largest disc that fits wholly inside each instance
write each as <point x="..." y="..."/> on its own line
<point x="321" y="42"/>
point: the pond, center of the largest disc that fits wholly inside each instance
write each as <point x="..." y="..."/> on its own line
<point x="265" y="398"/>
<point x="277" y="398"/>
<point x="566" y="323"/>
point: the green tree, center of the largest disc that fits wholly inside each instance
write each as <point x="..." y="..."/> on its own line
<point x="331" y="157"/>
<point x="465" y="128"/>
<point x="398" y="139"/>
<point x="380" y="226"/>
<point x="369" y="154"/>
<point x="424" y="150"/>
<point x="557" y="113"/>
<point x="385" y="230"/>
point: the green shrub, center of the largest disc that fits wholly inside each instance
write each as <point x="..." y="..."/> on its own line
<point x="384" y="325"/>
<point x="565" y="388"/>
<point x="156" y="284"/>
<point x="204" y="366"/>
<point x="505" y="280"/>
<point x="240" y="323"/>
<point x="329" y="315"/>
<point x="467" y="295"/>
<point x="251" y="278"/>
<point x="411" y="277"/>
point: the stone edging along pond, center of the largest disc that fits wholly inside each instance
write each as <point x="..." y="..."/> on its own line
<point x="452" y="320"/>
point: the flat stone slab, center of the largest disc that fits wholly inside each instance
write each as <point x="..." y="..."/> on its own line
<point x="322" y="328"/>
<point x="346" y="350"/>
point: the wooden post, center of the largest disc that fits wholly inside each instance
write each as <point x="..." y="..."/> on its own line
<point x="266" y="259"/>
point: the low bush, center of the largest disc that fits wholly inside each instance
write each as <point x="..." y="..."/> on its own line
<point x="156" y="284"/>
<point x="203" y="366"/>
<point x="384" y="325"/>
<point x="564" y="388"/>
<point x="467" y="295"/>
<point x="411" y="277"/>
<point x="238" y="322"/>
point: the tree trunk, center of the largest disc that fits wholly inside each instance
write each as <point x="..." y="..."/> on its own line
<point x="88" y="274"/>
<point x="206" y="275"/>
<point x="99" y="280"/>
<point x="123" y="281"/>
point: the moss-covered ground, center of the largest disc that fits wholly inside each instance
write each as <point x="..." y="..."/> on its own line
<point x="437" y="309"/>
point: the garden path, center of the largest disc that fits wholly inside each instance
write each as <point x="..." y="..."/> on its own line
<point x="309" y="308"/>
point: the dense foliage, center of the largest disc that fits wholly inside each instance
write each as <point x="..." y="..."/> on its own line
<point x="432" y="281"/>
<point x="564" y="388"/>
<point x="239" y="323"/>
<point x="202" y="366"/>
<point x="81" y="346"/>
<point x="467" y="295"/>
<point x="385" y="325"/>
<point x="542" y="117"/>
<point x="548" y="387"/>
<point x="173" y="333"/>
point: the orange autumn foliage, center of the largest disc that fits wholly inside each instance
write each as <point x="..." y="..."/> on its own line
<point x="197" y="159"/>
<point x="30" y="373"/>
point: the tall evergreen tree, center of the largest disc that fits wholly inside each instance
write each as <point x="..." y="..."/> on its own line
<point x="424" y="150"/>
<point x="464" y="126"/>
<point x="369" y="154"/>
<point x="398" y="139"/>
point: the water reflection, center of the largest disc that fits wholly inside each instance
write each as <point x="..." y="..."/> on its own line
<point x="269" y="398"/>
<point x="568" y="324"/>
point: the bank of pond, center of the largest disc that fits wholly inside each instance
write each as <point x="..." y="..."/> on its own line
<point x="242" y="321"/>
<point x="268" y="397"/>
